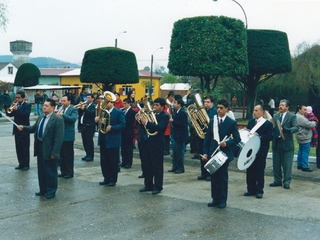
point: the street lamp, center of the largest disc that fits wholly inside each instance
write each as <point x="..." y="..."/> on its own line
<point x="150" y="87"/>
<point x="116" y="44"/>
<point x="245" y="15"/>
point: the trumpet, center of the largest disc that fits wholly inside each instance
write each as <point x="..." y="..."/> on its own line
<point x="80" y="104"/>
<point x="146" y="112"/>
<point x="10" y="109"/>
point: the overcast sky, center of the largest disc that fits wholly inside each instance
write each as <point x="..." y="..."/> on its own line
<point x="65" y="29"/>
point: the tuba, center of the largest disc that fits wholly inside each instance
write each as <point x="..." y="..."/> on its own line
<point x="169" y="105"/>
<point x="104" y="120"/>
<point x="146" y="112"/>
<point x="197" y="114"/>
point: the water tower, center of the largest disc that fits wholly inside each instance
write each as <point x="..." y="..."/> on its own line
<point x="20" y="50"/>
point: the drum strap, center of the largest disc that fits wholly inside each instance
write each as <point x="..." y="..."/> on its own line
<point x="258" y="125"/>
<point x="216" y="136"/>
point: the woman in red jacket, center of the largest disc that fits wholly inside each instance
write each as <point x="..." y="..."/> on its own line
<point x="118" y="103"/>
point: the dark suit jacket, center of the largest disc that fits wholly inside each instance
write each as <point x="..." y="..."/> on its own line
<point x="118" y="124"/>
<point x="211" y="112"/>
<point x="156" y="143"/>
<point x="21" y="117"/>
<point x="180" y="124"/>
<point x="89" y="115"/>
<point x="290" y="121"/>
<point x="128" y="132"/>
<point x="227" y="128"/>
<point x="52" y="136"/>
<point x="265" y="134"/>
<point x="70" y="117"/>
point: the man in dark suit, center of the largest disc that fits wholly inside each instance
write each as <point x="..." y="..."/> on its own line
<point x="211" y="111"/>
<point x="110" y="143"/>
<point x="255" y="173"/>
<point x="21" y="115"/>
<point x="127" y="134"/>
<point x="82" y="97"/>
<point x="69" y="115"/>
<point x="283" y="149"/>
<point x="180" y="136"/>
<point x="88" y="124"/>
<point x="48" y="138"/>
<point x="153" y="150"/>
<point x="224" y="127"/>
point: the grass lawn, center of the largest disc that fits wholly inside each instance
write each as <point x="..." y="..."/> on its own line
<point x="296" y="145"/>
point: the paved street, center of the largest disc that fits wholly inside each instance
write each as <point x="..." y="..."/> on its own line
<point x="84" y="210"/>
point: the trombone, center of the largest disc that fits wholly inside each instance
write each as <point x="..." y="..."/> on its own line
<point x="10" y="109"/>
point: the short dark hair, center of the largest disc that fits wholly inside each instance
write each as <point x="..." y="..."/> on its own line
<point x="170" y="93"/>
<point x="37" y="90"/>
<point x="161" y="101"/>
<point x="68" y="97"/>
<point x="180" y="101"/>
<point x="127" y="100"/>
<point x="287" y="102"/>
<point x="151" y="102"/>
<point x="299" y="107"/>
<point x="116" y="93"/>
<point x="91" y="95"/>
<point x="44" y="91"/>
<point x="210" y="97"/>
<point x="224" y="103"/>
<point x="22" y="94"/>
<point x="262" y="108"/>
<point x="51" y="101"/>
<point x="83" y="88"/>
<point x="177" y="96"/>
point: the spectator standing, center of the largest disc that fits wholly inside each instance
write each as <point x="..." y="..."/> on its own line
<point x="303" y="136"/>
<point x="37" y="102"/>
<point x="312" y="118"/>
<point x="234" y="101"/>
<point x="316" y="111"/>
<point x="44" y="98"/>
<point x="118" y="103"/>
<point x="0" y="103"/>
<point x="6" y="100"/>
<point x="271" y="105"/>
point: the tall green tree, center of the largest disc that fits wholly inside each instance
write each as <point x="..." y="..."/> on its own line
<point x="27" y="75"/>
<point x="208" y="47"/>
<point x="170" y="78"/>
<point x="109" y="66"/>
<point x="268" y="55"/>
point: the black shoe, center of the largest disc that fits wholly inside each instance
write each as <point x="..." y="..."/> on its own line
<point x="195" y="157"/>
<point x="208" y="179"/>
<point x="127" y="166"/>
<point x="67" y="176"/>
<point x="61" y="175"/>
<point x="303" y="169"/>
<point x="84" y="158"/>
<point x="89" y="159"/>
<point x="178" y="171"/>
<point x="274" y="184"/>
<point x="201" y="177"/>
<point x="299" y="167"/>
<point x="166" y="153"/>
<point x="103" y="183"/>
<point x="141" y="176"/>
<point x="222" y="205"/>
<point x="318" y="166"/>
<point x="172" y="170"/>
<point x="247" y="194"/>
<point x="134" y="147"/>
<point x="145" y="189"/>
<point x="213" y="204"/>
<point x="25" y="168"/>
<point x="40" y="194"/>
<point x="112" y="184"/>
<point x="286" y="186"/>
<point x="154" y="192"/>
<point x="50" y="196"/>
<point x="259" y="195"/>
<point x="18" y="168"/>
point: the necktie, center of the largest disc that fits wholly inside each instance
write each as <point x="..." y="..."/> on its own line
<point x="277" y="129"/>
<point x="220" y="122"/>
<point x="41" y="126"/>
<point x="256" y="122"/>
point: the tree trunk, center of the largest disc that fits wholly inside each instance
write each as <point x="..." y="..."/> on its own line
<point x="207" y="79"/>
<point x="251" y="94"/>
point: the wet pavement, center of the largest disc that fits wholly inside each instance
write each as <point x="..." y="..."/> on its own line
<point x="84" y="210"/>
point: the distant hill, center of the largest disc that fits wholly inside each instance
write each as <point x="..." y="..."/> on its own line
<point x="43" y="62"/>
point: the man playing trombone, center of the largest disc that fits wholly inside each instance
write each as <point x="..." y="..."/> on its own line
<point x="220" y="126"/>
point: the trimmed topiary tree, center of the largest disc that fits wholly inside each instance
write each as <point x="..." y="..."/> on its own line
<point x="208" y="47"/>
<point x="27" y="75"/>
<point x="109" y="66"/>
<point x="268" y="55"/>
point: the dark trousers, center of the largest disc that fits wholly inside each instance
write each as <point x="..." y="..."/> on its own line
<point x="47" y="173"/>
<point x="152" y="165"/>
<point x="219" y="184"/>
<point x="178" y="156"/>
<point x="318" y="150"/>
<point x="204" y="172"/>
<point x="167" y="143"/>
<point x="141" y="155"/>
<point x="193" y="141"/>
<point x="126" y="151"/>
<point x="87" y="134"/>
<point x="23" y="149"/>
<point x="109" y="158"/>
<point x="67" y="158"/>
<point x="255" y="175"/>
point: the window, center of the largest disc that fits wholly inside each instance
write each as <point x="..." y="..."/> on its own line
<point x="125" y="90"/>
<point x="10" y="70"/>
<point x="147" y="90"/>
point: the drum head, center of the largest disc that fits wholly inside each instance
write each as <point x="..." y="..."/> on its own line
<point x="249" y="152"/>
